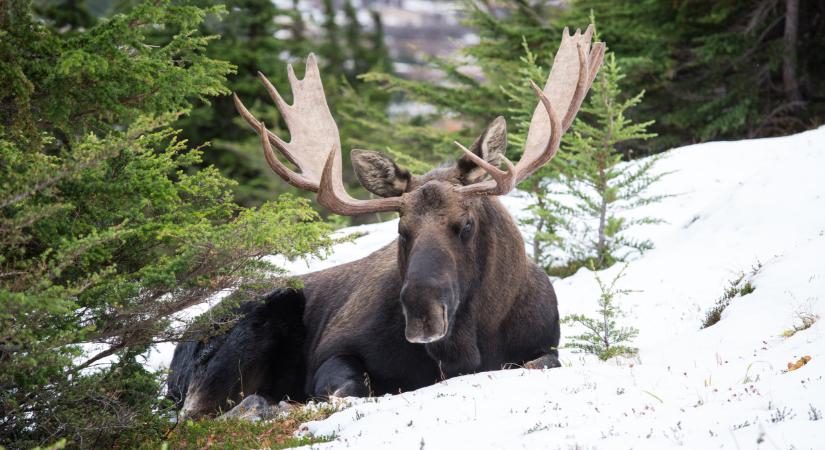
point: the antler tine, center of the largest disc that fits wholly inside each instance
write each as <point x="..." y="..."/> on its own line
<point x="280" y="103"/>
<point x="532" y="164"/>
<point x="339" y="202"/>
<point x="581" y="89"/>
<point x="567" y="84"/>
<point x="505" y="181"/>
<point x="278" y="167"/>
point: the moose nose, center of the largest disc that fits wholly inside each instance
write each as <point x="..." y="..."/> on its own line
<point x="425" y="312"/>
<point x="420" y="295"/>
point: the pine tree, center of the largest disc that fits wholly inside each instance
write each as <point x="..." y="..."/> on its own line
<point x="107" y="227"/>
<point x="601" y="185"/>
<point x="602" y="336"/>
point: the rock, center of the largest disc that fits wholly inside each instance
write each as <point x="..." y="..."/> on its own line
<point x="253" y="408"/>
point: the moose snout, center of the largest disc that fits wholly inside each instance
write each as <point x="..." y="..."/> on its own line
<point x="426" y="312"/>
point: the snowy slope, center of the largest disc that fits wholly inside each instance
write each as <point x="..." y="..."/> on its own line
<point x="739" y="204"/>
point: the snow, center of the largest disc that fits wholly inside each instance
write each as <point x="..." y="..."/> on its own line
<point x="734" y="206"/>
<point x="737" y="205"/>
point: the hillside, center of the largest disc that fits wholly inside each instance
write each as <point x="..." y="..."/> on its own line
<point x="758" y="209"/>
<point x="738" y="205"/>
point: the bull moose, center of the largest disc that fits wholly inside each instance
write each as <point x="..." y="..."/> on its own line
<point x="454" y="294"/>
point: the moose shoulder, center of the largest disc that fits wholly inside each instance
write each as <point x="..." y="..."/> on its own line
<point x="455" y="293"/>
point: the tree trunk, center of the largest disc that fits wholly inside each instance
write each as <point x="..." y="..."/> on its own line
<point x="602" y="244"/>
<point x="789" y="80"/>
<point x="537" y="242"/>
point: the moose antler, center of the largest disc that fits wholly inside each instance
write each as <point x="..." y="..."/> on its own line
<point x="573" y="72"/>
<point x="314" y="147"/>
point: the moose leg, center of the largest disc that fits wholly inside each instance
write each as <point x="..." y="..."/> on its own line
<point x="546" y="361"/>
<point x="341" y="376"/>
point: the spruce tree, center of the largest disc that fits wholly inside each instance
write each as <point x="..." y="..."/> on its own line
<point x="602" y="335"/>
<point x="107" y="227"/>
<point x="246" y="36"/>
<point x="604" y="188"/>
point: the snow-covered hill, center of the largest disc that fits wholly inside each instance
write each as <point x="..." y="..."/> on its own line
<point x="739" y="205"/>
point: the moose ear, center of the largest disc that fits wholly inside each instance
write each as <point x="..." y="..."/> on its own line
<point x="490" y="146"/>
<point x="379" y="174"/>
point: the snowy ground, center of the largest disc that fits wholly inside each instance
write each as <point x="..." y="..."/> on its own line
<point x="739" y="204"/>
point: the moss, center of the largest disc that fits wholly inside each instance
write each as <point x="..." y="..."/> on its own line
<point x="236" y="433"/>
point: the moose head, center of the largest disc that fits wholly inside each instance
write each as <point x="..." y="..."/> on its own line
<point x="444" y="219"/>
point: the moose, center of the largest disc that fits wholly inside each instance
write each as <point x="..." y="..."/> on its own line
<point x="454" y="294"/>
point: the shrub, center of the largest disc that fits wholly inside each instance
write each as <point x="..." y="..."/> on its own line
<point x="603" y="337"/>
<point x="107" y="229"/>
<point x="737" y="287"/>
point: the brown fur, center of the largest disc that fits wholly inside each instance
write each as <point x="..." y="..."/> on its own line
<point x="455" y="294"/>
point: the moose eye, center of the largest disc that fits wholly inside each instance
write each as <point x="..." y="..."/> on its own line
<point x="466" y="230"/>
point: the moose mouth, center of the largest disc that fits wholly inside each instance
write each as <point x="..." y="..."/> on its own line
<point x="427" y="329"/>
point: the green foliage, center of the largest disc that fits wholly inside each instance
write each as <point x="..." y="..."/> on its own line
<point x="106" y="227"/>
<point x="714" y="69"/>
<point x="602" y="336"/>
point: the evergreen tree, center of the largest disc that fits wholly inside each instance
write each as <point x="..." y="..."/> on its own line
<point x="107" y="229"/>
<point x="601" y="185"/>
<point x="248" y="40"/>
<point x="602" y="336"/>
<point x="719" y="69"/>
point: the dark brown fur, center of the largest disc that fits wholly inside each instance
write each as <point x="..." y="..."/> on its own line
<point x="445" y="299"/>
